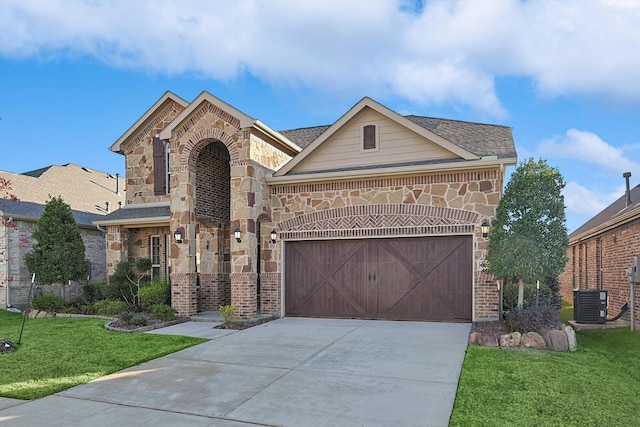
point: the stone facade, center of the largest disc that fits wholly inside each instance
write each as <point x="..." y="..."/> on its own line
<point x="220" y="167"/>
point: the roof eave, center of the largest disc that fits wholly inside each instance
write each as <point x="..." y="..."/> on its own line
<point x="616" y="222"/>
<point x="136" y="222"/>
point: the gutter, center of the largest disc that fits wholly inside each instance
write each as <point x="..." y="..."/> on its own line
<point x="607" y="226"/>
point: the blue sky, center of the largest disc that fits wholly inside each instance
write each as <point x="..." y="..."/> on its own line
<point x="74" y="75"/>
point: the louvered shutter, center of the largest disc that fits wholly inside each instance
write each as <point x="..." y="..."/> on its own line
<point x="369" y="137"/>
<point x="159" y="168"/>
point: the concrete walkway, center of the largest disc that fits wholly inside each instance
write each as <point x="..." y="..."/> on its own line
<point x="288" y="372"/>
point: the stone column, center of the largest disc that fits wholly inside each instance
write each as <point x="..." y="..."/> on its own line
<point x="117" y="247"/>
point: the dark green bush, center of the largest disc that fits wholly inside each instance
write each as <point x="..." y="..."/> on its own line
<point x="139" y="320"/>
<point x="89" y="309"/>
<point x="110" y="307"/>
<point x="163" y="312"/>
<point x="158" y="292"/>
<point x="533" y="319"/>
<point x="92" y="292"/>
<point x="49" y="302"/>
<point x="126" y="316"/>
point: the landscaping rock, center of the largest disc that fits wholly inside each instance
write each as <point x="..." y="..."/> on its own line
<point x="39" y="314"/>
<point x="557" y="340"/>
<point x="533" y="340"/>
<point x="510" y="340"/>
<point x="488" y="340"/>
<point x="473" y="338"/>
<point x="571" y="337"/>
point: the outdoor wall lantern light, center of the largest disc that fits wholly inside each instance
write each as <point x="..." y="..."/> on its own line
<point x="177" y="235"/>
<point x="274" y="235"/>
<point x="485" y="228"/>
<point x="237" y="234"/>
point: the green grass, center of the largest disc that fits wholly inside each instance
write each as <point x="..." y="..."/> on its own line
<point x="59" y="353"/>
<point x="566" y="312"/>
<point x="598" y="385"/>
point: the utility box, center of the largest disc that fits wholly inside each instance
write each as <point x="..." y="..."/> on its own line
<point x="590" y="306"/>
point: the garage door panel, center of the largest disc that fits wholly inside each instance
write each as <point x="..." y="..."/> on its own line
<point x="428" y="278"/>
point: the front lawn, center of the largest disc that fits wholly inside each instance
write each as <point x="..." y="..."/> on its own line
<point x="59" y="353"/>
<point x="598" y="385"/>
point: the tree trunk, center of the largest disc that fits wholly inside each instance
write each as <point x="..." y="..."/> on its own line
<point x="520" y="293"/>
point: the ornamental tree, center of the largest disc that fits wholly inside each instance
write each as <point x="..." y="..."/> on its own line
<point x="58" y="256"/>
<point x="528" y="240"/>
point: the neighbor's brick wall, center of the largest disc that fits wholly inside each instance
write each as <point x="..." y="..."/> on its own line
<point x="619" y="247"/>
<point x="18" y="278"/>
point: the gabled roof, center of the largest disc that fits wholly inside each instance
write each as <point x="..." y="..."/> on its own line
<point x="28" y="211"/>
<point x="83" y="189"/>
<point x="469" y="141"/>
<point x="164" y="99"/>
<point x="138" y="214"/>
<point x="613" y="215"/>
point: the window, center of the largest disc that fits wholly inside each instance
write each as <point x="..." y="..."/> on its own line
<point x="155" y="256"/>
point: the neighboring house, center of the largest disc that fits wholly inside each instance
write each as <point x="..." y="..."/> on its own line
<point x="601" y="251"/>
<point x="89" y="193"/>
<point x="375" y="216"/>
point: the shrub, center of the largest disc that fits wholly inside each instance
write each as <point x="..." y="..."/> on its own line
<point x="110" y="307"/>
<point x="92" y="292"/>
<point x="139" y="320"/>
<point x="126" y="316"/>
<point x="89" y="309"/>
<point x="163" y="312"/>
<point x="49" y="302"/>
<point x="158" y="292"/>
<point x="228" y="313"/>
<point x="533" y="319"/>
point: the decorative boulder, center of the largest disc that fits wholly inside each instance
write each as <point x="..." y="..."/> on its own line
<point x="533" y="340"/>
<point x="571" y="337"/>
<point x="557" y="340"/>
<point x="510" y="340"/>
<point x="473" y="338"/>
<point x="488" y="340"/>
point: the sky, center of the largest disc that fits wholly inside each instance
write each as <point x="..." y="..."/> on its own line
<point x="565" y="75"/>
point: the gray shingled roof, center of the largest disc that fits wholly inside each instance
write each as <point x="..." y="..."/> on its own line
<point x="478" y="138"/>
<point x="613" y="211"/>
<point x="29" y="210"/>
<point x="135" y="212"/>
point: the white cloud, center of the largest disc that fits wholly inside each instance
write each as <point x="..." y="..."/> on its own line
<point x="445" y="52"/>
<point x="583" y="201"/>
<point x="589" y="148"/>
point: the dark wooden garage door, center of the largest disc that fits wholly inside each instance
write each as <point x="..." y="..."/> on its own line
<point x="423" y="278"/>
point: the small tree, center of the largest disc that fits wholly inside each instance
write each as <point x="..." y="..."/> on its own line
<point x="529" y="239"/>
<point x="58" y="255"/>
<point x="129" y="281"/>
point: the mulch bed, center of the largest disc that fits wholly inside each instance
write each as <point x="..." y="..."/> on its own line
<point x="244" y="324"/>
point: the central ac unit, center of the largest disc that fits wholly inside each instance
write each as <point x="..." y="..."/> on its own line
<point x="590" y="305"/>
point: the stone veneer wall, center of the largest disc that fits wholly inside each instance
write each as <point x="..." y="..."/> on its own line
<point x="584" y="271"/>
<point x="429" y="204"/>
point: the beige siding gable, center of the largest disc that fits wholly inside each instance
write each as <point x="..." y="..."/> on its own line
<point x="395" y="144"/>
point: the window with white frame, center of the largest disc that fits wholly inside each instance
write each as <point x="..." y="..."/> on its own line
<point x="154" y="250"/>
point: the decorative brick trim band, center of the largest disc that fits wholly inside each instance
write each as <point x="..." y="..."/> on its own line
<point x="182" y="278"/>
<point x="173" y="107"/>
<point x="206" y="108"/>
<point x="380" y="216"/>
<point x="439" y="178"/>
<point x="200" y="140"/>
<point x="272" y="277"/>
<point x="243" y="277"/>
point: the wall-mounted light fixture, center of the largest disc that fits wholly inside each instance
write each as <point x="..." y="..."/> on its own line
<point x="177" y="235"/>
<point x="485" y="228"/>
<point x="274" y="235"/>
<point x="237" y="234"/>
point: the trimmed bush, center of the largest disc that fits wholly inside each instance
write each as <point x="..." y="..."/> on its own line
<point x="89" y="309"/>
<point x="110" y="307"/>
<point x="92" y="292"/>
<point x="228" y="313"/>
<point x="164" y="312"/>
<point x="49" y="302"/>
<point x="139" y="320"/>
<point x="533" y="319"/>
<point x="126" y="316"/>
<point x="157" y="293"/>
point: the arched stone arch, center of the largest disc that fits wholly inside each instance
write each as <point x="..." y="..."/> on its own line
<point x="380" y="220"/>
<point x="201" y="139"/>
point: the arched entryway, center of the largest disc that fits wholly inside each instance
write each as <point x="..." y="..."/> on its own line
<point x="212" y="216"/>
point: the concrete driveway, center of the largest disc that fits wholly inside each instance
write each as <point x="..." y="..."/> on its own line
<point x="288" y="372"/>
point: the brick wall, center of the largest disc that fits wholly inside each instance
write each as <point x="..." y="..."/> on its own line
<point x="618" y="248"/>
<point x="213" y="184"/>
